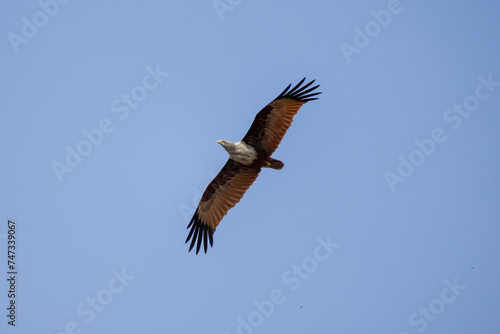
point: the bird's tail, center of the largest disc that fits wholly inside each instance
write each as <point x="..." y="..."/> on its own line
<point x="275" y="164"/>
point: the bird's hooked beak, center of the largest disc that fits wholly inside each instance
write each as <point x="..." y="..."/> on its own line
<point x="219" y="142"/>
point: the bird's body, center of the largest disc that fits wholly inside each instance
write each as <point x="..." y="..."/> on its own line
<point x="247" y="155"/>
<point x="246" y="158"/>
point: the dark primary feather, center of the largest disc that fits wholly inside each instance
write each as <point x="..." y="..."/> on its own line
<point x="199" y="231"/>
<point x="299" y="94"/>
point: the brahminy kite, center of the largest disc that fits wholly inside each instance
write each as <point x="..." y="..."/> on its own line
<point x="246" y="158"/>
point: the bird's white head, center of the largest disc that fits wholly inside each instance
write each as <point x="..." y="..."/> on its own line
<point x="227" y="145"/>
<point x="223" y="142"/>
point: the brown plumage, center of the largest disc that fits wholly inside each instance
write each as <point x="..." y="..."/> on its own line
<point x="260" y="142"/>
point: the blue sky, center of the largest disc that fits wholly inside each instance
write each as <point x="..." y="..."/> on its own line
<point x="384" y="219"/>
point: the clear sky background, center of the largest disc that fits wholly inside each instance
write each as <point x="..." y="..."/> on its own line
<point x="385" y="218"/>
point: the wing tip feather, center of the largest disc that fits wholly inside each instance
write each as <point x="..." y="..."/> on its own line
<point x="299" y="92"/>
<point x="200" y="233"/>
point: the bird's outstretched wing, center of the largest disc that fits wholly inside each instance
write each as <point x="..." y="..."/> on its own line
<point x="225" y="190"/>
<point x="272" y="122"/>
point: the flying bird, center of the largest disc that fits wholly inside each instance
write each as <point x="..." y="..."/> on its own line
<point x="246" y="158"/>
